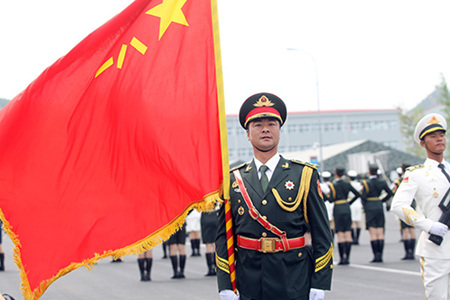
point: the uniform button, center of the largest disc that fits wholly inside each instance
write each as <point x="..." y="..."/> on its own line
<point x="290" y="198"/>
<point x="264" y="234"/>
<point x="264" y="217"/>
<point x="300" y="254"/>
<point x="264" y="202"/>
<point x="239" y="201"/>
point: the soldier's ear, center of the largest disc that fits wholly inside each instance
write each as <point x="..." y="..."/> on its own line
<point x="422" y="143"/>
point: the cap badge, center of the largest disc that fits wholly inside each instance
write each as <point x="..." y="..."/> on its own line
<point x="433" y="120"/>
<point x="263" y="101"/>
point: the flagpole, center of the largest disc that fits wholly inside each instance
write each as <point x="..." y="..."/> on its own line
<point x="224" y="143"/>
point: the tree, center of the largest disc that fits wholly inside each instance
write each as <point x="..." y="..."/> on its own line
<point x="408" y="121"/>
<point x="443" y="95"/>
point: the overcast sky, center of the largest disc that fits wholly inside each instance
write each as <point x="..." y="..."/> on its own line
<point x="366" y="54"/>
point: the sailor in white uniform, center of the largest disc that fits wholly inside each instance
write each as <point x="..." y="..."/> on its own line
<point x="428" y="184"/>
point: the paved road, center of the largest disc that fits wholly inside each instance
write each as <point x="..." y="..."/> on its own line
<point x="393" y="279"/>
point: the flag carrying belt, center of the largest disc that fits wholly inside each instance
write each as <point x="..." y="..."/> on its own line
<point x="266" y="245"/>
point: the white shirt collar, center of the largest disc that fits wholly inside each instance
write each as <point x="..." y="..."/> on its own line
<point x="271" y="164"/>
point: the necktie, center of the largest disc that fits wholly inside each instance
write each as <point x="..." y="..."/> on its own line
<point x="264" y="180"/>
<point x="441" y="166"/>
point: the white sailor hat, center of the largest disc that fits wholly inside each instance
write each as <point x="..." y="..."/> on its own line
<point x="428" y="124"/>
<point x="352" y="174"/>
<point x="326" y="174"/>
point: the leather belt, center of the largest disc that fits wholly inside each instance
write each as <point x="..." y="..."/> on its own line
<point x="269" y="245"/>
<point x="340" y="201"/>
<point x="373" y="198"/>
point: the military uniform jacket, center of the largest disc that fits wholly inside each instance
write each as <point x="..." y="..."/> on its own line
<point x="373" y="189"/>
<point x="279" y="275"/>
<point x="427" y="185"/>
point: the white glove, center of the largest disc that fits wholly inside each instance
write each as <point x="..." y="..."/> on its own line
<point x="438" y="228"/>
<point x="228" y="295"/>
<point x="315" y="294"/>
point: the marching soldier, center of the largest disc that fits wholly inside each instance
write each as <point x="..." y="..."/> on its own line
<point x="407" y="231"/>
<point x="373" y="207"/>
<point x="356" y="207"/>
<point x="429" y="184"/>
<point x="339" y="194"/>
<point x="274" y="203"/>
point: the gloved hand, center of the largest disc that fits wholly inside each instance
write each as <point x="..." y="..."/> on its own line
<point x="315" y="294"/>
<point x="438" y="228"/>
<point x="228" y="295"/>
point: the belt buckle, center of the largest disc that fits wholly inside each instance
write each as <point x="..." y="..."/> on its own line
<point x="268" y="245"/>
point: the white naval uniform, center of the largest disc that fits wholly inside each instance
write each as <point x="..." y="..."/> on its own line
<point x="427" y="185"/>
<point x="356" y="207"/>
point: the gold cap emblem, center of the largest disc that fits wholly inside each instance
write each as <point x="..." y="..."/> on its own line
<point x="433" y="120"/>
<point x="263" y="101"/>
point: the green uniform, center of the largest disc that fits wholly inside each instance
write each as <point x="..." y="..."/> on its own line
<point x="278" y="275"/>
<point x="373" y="205"/>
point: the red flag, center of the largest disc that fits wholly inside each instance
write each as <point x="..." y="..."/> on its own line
<point x="108" y="149"/>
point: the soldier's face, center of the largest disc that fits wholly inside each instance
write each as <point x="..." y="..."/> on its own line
<point x="434" y="142"/>
<point x="264" y="134"/>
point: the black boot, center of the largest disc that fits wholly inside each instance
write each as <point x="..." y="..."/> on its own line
<point x="141" y="264"/>
<point x="341" y="247"/>
<point x="195" y="244"/>
<point x="174" y="260"/>
<point x="194" y="253"/>
<point x="358" y="233"/>
<point x="348" y="247"/>
<point x="411" y="246"/>
<point x="374" y="245"/>
<point x="380" y="250"/>
<point x="406" y="246"/>
<point x="197" y="247"/>
<point x="164" y="246"/>
<point x="182" y="264"/>
<point x="2" y="260"/>
<point x="210" y="264"/>
<point x="148" y="268"/>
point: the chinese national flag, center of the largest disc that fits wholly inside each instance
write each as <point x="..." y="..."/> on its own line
<point x="111" y="146"/>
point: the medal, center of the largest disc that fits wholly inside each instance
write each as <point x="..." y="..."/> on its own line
<point x="289" y="185"/>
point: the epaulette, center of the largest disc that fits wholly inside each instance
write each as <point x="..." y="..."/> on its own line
<point x="238" y="167"/>
<point x="305" y="163"/>
<point x="412" y="168"/>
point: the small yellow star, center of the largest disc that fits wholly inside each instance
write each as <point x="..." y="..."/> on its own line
<point x="169" y="11"/>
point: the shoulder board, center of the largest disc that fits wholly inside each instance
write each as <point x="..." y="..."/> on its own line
<point x="314" y="166"/>
<point x="238" y="167"/>
<point x="415" y="167"/>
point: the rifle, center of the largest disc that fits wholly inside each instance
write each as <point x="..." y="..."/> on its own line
<point x="445" y="217"/>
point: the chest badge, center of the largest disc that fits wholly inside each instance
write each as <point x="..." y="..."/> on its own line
<point x="289" y="185"/>
<point x="240" y="210"/>
<point x="234" y="185"/>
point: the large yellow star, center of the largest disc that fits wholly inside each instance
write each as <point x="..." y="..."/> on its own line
<point x="169" y="11"/>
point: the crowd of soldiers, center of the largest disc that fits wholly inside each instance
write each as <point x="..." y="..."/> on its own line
<point x="355" y="200"/>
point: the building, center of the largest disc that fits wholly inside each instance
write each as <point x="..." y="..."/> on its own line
<point x="357" y="155"/>
<point x="3" y="102"/>
<point x="301" y="131"/>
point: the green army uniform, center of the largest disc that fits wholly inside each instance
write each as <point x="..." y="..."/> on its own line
<point x="293" y="203"/>
<point x="373" y="205"/>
